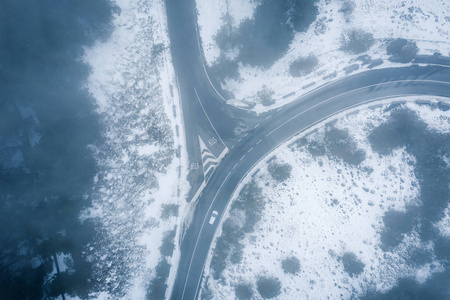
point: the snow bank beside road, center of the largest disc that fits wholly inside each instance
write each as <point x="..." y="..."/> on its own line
<point x="140" y="190"/>
<point x="424" y="22"/>
<point x="329" y="208"/>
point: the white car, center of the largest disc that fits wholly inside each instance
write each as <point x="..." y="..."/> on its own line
<point x="214" y="215"/>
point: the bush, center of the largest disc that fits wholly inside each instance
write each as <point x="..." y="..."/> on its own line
<point x="291" y="265"/>
<point x="303" y="66"/>
<point x="243" y="291"/>
<point x="157" y="49"/>
<point x="158" y="286"/>
<point x="347" y="9"/>
<point x="396" y="224"/>
<point x="352" y="265"/>
<point x="395" y="47"/>
<point x="268" y="287"/>
<point x="264" y="96"/>
<point x="341" y="145"/>
<point x="402" y="50"/>
<point x="279" y="172"/>
<point x="356" y="41"/>
<point x="228" y="36"/>
<point x="169" y="210"/>
<point x="167" y="245"/>
<point x="224" y="68"/>
<point x="267" y="36"/>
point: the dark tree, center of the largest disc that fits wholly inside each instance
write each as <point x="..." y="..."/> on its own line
<point x="291" y="265"/>
<point x="356" y="41"/>
<point x="268" y="287"/>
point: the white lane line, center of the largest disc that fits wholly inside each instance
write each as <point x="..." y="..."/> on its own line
<point x="198" y="237"/>
<point x="250" y="149"/>
<point x="361" y="88"/>
<point x="279" y="109"/>
<point x="268" y="117"/>
<point x="242" y="158"/>
<point x="245" y="135"/>
<point x="199" y="101"/>
<point x="210" y="82"/>
<point x="258" y="142"/>
<point x="240" y="140"/>
<point x="252" y="167"/>
<point x="234" y="166"/>
<point x="256" y="126"/>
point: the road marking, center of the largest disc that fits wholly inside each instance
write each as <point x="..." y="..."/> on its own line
<point x="235" y="166"/>
<point x="198" y="237"/>
<point x="303" y="129"/>
<point x="250" y="149"/>
<point x="348" y="92"/>
<point x="256" y="126"/>
<point x="272" y="149"/>
<point x="258" y="142"/>
<point x="268" y="117"/>
<point x="245" y="135"/>
<point x="279" y="109"/>
<point x="199" y="101"/>
<point x="240" y="140"/>
<point x="210" y="82"/>
<point x="242" y="158"/>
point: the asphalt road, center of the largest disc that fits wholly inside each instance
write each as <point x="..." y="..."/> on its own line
<point x="209" y="116"/>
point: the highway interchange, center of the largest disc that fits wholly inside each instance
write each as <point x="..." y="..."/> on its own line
<point x="208" y="118"/>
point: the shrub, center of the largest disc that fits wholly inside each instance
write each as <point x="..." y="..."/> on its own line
<point x="347" y="9"/>
<point x="169" y="210"/>
<point x="352" y="265"/>
<point x="279" y="172"/>
<point x="224" y="68"/>
<point x="356" y="41"/>
<point x="268" y="287"/>
<point x="157" y="49"/>
<point x="158" y="286"/>
<point x="267" y="36"/>
<point x="395" y="47"/>
<point x="303" y="66"/>
<point x="243" y="291"/>
<point x="402" y="50"/>
<point x="264" y="96"/>
<point x="167" y="245"/>
<point x="227" y="36"/>
<point x="291" y="265"/>
<point x="341" y="145"/>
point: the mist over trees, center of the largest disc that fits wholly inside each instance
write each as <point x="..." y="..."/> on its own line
<point x="266" y="37"/>
<point x="46" y="125"/>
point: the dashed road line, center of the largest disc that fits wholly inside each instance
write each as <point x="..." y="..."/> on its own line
<point x="250" y="149"/>
<point x="258" y="142"/>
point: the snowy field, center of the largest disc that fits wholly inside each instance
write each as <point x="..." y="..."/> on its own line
<point x="425" y="23"/>
<point x="140" y="189"/>
<point x="329" y="213"/>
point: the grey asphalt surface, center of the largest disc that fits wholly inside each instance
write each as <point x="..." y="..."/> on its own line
<point x="266" y="132"/>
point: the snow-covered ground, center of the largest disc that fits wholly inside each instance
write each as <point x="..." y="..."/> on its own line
<point x="328" y="208"/>
<point x="425" y="22"/>
<point x="142" y="162"/>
